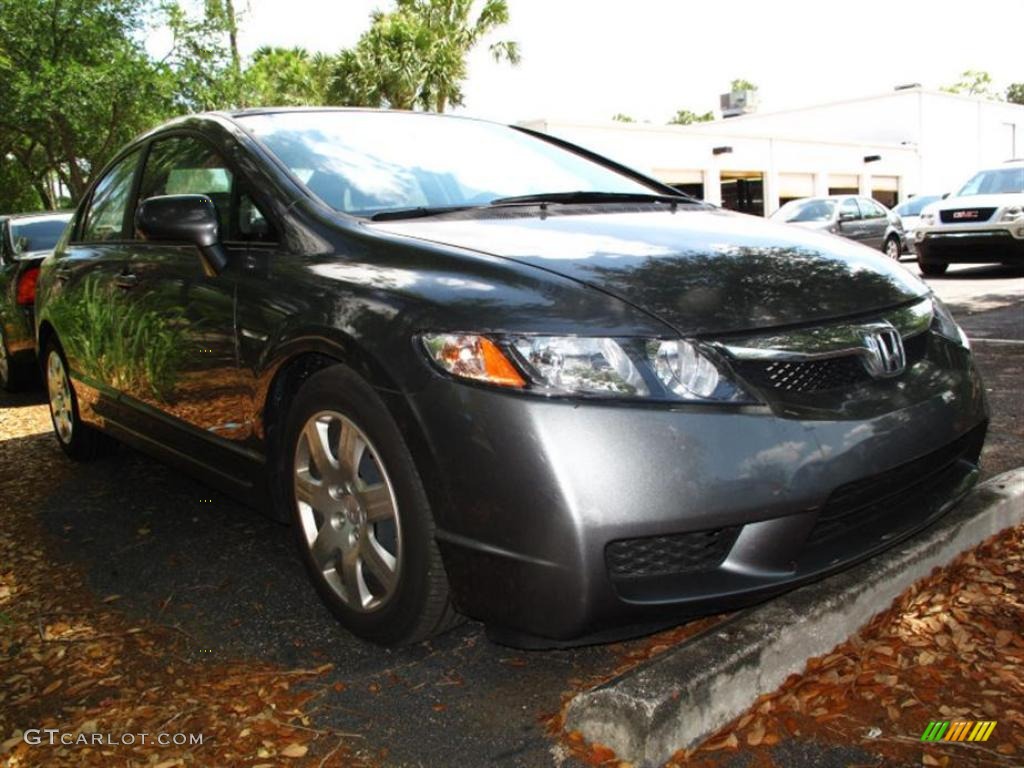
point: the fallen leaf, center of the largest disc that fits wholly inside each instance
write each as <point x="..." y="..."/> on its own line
<point x="295" y="750"/>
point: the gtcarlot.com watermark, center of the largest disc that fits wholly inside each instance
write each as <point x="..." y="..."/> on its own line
<point x="55" y="736"/>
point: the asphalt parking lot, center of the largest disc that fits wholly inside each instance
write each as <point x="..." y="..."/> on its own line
<point x="177" y="552"/>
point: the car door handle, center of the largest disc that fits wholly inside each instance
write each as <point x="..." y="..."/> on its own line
<point x="126" y="281"/>
<point x="63" y="274"/>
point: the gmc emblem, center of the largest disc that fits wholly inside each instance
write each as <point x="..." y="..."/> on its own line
<point x="965" y="214"/>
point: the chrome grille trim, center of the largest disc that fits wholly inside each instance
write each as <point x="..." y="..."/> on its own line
<point x="828" y="341"/>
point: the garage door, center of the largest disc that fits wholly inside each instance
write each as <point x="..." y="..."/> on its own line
<point x="793" y="185"/>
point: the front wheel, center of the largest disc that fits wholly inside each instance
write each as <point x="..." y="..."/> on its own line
<point x="893" y="249"/>
<point x="361" y="519"/>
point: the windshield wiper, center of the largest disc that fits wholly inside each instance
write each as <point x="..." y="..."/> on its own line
<point x="419" y="212"/>
<point x="577" y="197"/>
<point x="583" y="196"/>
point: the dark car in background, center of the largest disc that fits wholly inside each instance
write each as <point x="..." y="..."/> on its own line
<point x="25" y="240"/>
<point x="485" y="371"/>
<point x="860" y="219"/>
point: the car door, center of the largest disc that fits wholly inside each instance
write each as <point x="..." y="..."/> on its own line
<point x="85" y="306"/>
<point x="875" y="221"/>
<point x="186" y="393"/>
<point x="850" y="220"/>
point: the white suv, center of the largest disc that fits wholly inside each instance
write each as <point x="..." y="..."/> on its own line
<point x="982" y="222"/>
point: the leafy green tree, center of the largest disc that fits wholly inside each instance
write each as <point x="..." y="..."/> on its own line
<point x="287" y="77"/>
<point x="686" y="117"/>
<point x="739" y="84"/>
<point x="619" y="117"/>
<point x="416" y="55"/>
<point x="1015" y="93"/>
<point x="973" y="82"/>
<point x="75" y="84"/>
<point x="202" y="69"/>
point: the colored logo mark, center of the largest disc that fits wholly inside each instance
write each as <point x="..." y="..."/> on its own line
<point x="958" y="730"/>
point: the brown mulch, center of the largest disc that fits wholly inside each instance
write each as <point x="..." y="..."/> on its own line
<point x="70" y="660"/>
<point x="950" y="648"/>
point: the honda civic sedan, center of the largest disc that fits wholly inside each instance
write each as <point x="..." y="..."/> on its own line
<point x="483" y="372"/>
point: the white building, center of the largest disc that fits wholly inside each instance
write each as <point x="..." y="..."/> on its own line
<point x="890" y="147"/>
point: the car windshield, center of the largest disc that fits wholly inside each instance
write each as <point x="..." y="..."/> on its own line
<point x="914" y="206"/>
<point x="37" y="234"/>
<point x="806" y="210"/>
<point x="1002" y="181"/>
<point x="364" y="163"/>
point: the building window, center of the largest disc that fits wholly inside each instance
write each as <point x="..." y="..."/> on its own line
<point x="743" y="192"/>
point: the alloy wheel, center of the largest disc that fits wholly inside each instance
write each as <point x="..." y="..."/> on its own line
<point x="892" y="249"/>
<point x="59" y="389"/>
<point x="348" y="511"/>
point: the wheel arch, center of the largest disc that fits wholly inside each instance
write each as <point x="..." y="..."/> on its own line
<point x="297" y="361"/>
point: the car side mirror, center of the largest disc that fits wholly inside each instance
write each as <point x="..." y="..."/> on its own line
<point x="188" y="219"/>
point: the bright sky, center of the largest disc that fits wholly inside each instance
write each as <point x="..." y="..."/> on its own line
<point x="589" y="59"/>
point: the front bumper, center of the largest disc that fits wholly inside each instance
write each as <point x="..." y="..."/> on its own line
<point x="562" y="520"/>
<point x="970" y="247"/>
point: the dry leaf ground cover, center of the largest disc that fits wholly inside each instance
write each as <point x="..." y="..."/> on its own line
<point x="70" y="660"/>
<point x="950" y="648"/>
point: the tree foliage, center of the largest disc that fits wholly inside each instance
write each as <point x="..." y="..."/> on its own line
<point x="416" y="55"/>
<point x="739" y="84"/>
<point x="686" y="117"/>
<point x="619" y="117"/>
<point x="1015" y="93"/>
<point x="973" y="82"/>
<point x="77" y="83"/>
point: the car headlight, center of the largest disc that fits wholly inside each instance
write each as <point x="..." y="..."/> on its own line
<point x="944" y="324"/>
<point x="650" y="369"/>
<point x="927" y="218"/>
<point x="1015" y="213"/>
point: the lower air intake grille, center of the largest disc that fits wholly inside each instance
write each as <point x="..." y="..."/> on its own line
<point x="669" y="555"/>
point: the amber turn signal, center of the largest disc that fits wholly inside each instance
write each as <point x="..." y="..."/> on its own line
<point x="473" y="357"/>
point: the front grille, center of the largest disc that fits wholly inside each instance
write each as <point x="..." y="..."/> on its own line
<point x="676" y="554"/>
<point x="873" y="500"/>
<point x="966" y="215"/>
<point x="802" y="376"/>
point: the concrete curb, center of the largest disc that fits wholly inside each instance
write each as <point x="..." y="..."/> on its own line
<point x="685" y="695"/>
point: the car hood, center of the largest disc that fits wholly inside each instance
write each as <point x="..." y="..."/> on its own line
<point x="976" y="201"/>
<point x="699" y="270"/>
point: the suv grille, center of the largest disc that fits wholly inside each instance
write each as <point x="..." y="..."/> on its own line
<point x="966" y="215"/>
<point x="670" y="555"/>
<point x="819" y="375"/>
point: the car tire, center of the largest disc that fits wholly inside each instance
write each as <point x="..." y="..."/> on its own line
<point x="77" y="439"/>
<point x="359" y="512"/>
<point x="932" y="268"/>
<point x="12" y="373"/>
<point x="893" y="249"/>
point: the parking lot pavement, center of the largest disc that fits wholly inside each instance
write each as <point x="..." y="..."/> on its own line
<point x="180" y="553"/>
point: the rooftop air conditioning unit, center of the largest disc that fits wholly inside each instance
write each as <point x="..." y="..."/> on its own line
<point x="738" y="103"/>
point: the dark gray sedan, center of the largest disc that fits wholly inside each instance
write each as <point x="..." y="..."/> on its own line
<point x="860" y="219"/>
<point x="481" y="371"/>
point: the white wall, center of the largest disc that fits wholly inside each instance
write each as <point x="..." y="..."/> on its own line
<point x="685" y="154"/>
<point x="956" y="135"/>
